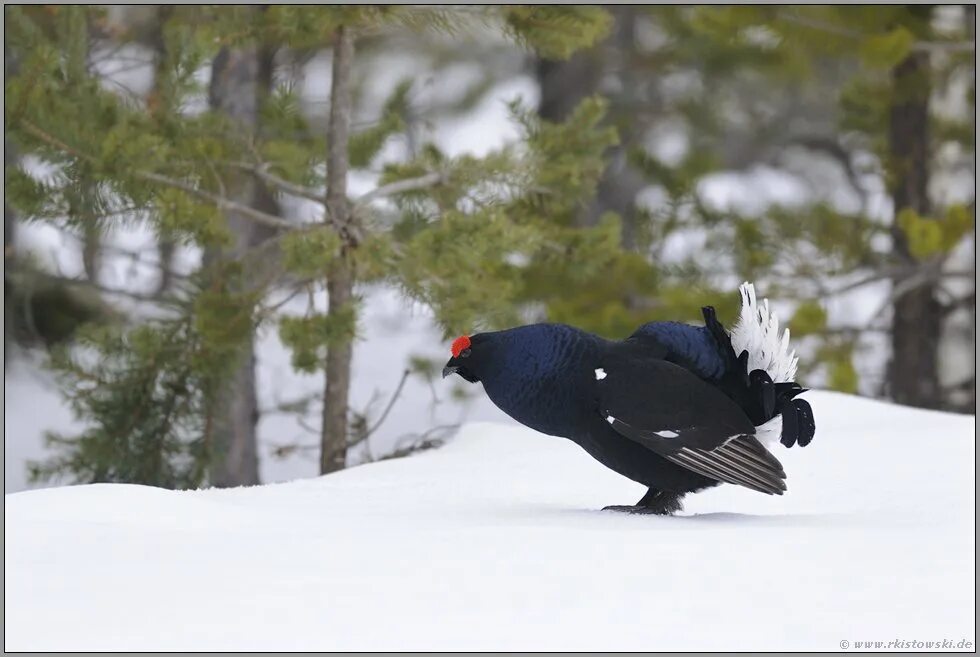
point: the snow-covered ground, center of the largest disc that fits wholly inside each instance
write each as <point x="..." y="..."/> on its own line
<point x="496" y="542"/>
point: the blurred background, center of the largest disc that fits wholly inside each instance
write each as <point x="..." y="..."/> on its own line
<point x="238" y="240"/>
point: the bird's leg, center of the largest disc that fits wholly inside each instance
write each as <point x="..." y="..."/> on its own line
<point x="655" y="502"/>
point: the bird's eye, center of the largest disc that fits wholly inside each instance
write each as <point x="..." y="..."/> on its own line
<point x="465" y="353"/>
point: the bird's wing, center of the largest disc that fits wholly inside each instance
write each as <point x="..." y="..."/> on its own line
<point x="669" y="410"/>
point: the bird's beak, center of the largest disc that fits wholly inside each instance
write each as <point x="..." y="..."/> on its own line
<point x="448" y="370"/>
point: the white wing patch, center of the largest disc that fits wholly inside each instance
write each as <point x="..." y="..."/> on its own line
<point x="757" y="332"/>
<point x="667" y="433"/>
<point x="600" y="374"/>
<point x="610" y="419"/>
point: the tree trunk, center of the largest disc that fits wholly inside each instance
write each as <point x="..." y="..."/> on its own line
<point x="621" y="183"/>
<point x="913" y="373"/>
<point x="340" y="283"/>
<point x="92" y="249"/>
<point x="82" y="197"/>
<point x="159" y="106"/>
<point x="9" y="253"/>
<point x="235" y="91"/>
<point x="10" y="68"/>
<point x="970" y="405"/>
<point x="333" y="453"/>
<point x="564" y="84"/>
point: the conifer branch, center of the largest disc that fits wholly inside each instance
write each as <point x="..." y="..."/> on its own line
<point x="838" y="30"/>
<point x="217" y="200"/>
<point x="51" y="140"/>
<point x="262" y="171"/>
<point x="943" y="46"/>
<point x="401" y="186"/>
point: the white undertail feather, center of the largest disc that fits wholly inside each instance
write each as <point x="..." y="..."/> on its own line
<point x="757" y="332"/>
<point x="771" y="431"/>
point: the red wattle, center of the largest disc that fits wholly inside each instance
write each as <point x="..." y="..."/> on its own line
<point x="460" y="344"/>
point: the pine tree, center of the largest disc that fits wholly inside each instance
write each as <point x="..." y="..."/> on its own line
<point x="899" y="57"/>
<point x="454" y="227"/>
<point x="753" y="86"/>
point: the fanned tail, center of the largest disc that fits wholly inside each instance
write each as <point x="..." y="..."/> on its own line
<point x="757" y="333"/>
<point x="760" y="368"/>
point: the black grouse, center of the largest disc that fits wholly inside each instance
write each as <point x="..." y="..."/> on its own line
<point x="675" y="407"/>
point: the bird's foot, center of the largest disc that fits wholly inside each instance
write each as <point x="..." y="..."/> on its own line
<point x="640" y="510"/>
<point x="655" y="502"/>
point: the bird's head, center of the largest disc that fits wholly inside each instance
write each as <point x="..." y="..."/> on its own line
<point x="466" y="360"/>
<point x="497" y="357"/>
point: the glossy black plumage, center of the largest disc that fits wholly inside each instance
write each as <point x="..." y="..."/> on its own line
<point x="707" y="352"/>
<point x="671" y="407"/>
<point x="691" y="424"/>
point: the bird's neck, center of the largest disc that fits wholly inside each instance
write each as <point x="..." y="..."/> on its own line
<point x="542" y="379"/>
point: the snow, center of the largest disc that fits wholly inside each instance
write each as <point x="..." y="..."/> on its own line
<point x="497" y="542"/>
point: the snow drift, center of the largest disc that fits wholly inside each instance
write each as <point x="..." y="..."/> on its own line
<point x="496" y="542"/>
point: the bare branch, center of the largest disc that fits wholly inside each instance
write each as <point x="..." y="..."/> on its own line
<point x="966" y="384"/>
<point x="886" y="274"/>
<point x="293" y="406"/>
<point x="84" y="283"/>
<point x="219" y="202"/>
<point x="943" y="46"/>
<point x="418" y="442"/>
<point x="51" y="140"/>
<point x="284" y="450"/>
<point x="831" y="147"/>
<point x="276" y="307"/>
<point x="905" y="276"/>
<point x="391" y="403"/>
<point x="262" y="171"/>
<point x="955" y="303"/>
<point x="853" y="331"/>
<point x="401" y="186"/>
<point x="902" y="287"/>
<point x="137" y="257"/>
